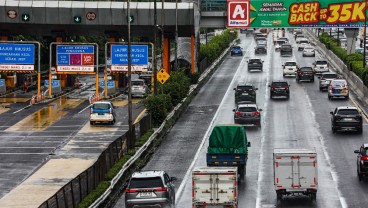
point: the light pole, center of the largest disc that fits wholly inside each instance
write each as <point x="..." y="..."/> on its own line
<point x="162" y="33"/>
<point x="131" y="141"/>
<point x="155" y="48"/>
<point x="365" y="35"/>
<point x="176" y="35"/>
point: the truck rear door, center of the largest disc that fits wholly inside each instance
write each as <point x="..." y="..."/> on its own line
<point x="308" y="171"/>
<point x="214" y="189"/>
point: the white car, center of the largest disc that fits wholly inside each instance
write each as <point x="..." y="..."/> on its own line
<point x="321" y="66"/>
<point x="289" y="68"/>
<point x="303" y="42"/>
<point x="338" y="88"/>
<point x="139" y="88"/>
<point x="309" y="51"/>
<point x="299" y="37"/>
<point x="102" y="111"/>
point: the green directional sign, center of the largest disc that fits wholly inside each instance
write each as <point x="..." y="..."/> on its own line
<point x="77" y="19"/>
<point x="130" y="19"/>
<point x="25" y="17"/>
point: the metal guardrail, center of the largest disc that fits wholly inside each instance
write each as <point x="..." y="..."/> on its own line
<point x="131" y="161"/>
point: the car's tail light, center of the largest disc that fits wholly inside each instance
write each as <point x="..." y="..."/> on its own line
<point x="131" y="191"/>
<point x="110" y="111"/>
<point x="256" y="113"/>
<point x="346" y="88"/>
<point x="273" y="88"/>
<point x="238" y="113"/>
<point x="161" y="189"/>
<point x="286" y="88"/>
<point x="331" y="88"/>
<point x="365" y="158"/>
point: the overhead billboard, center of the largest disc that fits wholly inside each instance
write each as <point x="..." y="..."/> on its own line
<point x="306" y="13"/>
<point x="75" y="58"/>
<point x="119" y="58"/>
<point x="17" y="57"/>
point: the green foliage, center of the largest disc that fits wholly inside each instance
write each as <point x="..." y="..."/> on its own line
<point x="101" y="188"/>
<point x="177" y="86"/>
<point x="116" y="168"/>
<point x="131" y="152"/>
<point x="194" y="78"/>
<point x="141" y="141"/>
<point x="354" y="61"/>
<point x="158" y="105"/>
<point x="216" y="45"/>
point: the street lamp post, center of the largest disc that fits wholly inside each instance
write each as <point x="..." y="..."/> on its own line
<point x="131" y="140"/>
<point x="162" y="34"/>
<point x="176" y="35"/>
<point x="155" y="48"/>
<point x="365" y="35"/>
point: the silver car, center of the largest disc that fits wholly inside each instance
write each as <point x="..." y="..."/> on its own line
<point x="139" y="88"/>
<point x="321" y="66"/>
<point x="338" y="88"/>
<point x="325" y="80"/>
<point x="150" y="189"/>
<point x="309" y="51"/>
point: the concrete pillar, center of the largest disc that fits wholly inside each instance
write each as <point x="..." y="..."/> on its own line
<point x="166" y="55"/>
<point x="192" y="51"/>
<point x="351" y="34"/>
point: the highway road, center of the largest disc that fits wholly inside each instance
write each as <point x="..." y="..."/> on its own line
<point x="29" y="137"/>
<point x="303" y="121"/>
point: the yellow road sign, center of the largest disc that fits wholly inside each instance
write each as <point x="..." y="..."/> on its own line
<point x="162" y="76"/>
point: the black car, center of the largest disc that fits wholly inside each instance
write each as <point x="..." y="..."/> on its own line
<point x="346" y="119"/>
<point x="286" y="50"/>
<point x="362" y="161"/>
<point x="244" y="92"/>
<point x="247" y="114"/>
<point x="305" y="73"/>
<point x="255" y="64"/>
<point x="279" y="88"/>
<point x="260" y="49"/>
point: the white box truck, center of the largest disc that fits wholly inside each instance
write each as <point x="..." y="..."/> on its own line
<point x="295" y="172"/>
<point x="215" y="186"/>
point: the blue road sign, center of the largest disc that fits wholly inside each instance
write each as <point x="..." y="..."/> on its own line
<point x="75" y="54"/>
<point x="11" y="53"/>
<point x="110" y="84"/>
<point x="2" y="83"/>
<point x="139" y="54"/>
<point x="55" y="83"/>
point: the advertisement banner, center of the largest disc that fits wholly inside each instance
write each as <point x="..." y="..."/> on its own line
<point x="307" y="13"/>
<point x="75" y="58"/>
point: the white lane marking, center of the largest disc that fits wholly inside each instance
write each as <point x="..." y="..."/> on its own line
<point x="28" y="106"/>
<point x="85" y="108"/>
<point x="229" y="89"/>
<point x="27" y="147"/>
<point x="23" y="153"/>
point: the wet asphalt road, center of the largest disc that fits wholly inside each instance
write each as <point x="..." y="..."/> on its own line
<point x="30" y="137"/>
<point x="303" y="121"/>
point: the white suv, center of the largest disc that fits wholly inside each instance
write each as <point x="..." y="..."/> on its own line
<point x="289" y="68"/>
<point x="321" y="66"/>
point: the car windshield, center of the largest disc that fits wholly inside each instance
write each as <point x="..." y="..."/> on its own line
<point x="321" y="62"/>
<point x="254" y="61"/>
<point x="247" y="109"/>
<point x="286" y="46"/>
<point x="329" y="76"/>
<point x="137" y="83"/>
<point x="309" y="48"/>
<point x="303" y="41"/>
<point x="101" y="106"/>
<point x="348" y="112"/>
<point x="280" y="42"/>
<point x="338" y="83"/>
<point x="279" y="84"/>
<point x="236" y="47"/>
<point x="290" y="64"/>
<point x="306" y="69"/>
<point x="145" y="183"/>
<point x="244" y="88"/>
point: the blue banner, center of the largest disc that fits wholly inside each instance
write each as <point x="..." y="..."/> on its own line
<point x="75" y="55"/>
<point x="55" y="83"/>
<point x="11" y="53"/>
<point x="110" y="84"/>
<point x="139" y="54"/>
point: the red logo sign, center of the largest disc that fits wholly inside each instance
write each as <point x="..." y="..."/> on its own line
<point x="238" y="14"/>
<point x="87" y="59"/>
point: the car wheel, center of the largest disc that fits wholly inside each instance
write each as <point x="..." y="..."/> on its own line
<point x="283" y="75"/>
<point x="288" y="97"/>
<point x="303" y="55"/>
<point x="314" y="55"/>
<point x="270" y="96"/>
<point x="329" y="97"/>
<point x="347" y="97"/>
<point x="360" y="131"/>
<point x="91" y="123"/>
<point x="312" y="80"/>
<point x="359" y="176"/>
<point x="333" y="130"/>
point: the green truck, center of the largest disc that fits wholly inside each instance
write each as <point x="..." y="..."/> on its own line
<point x="228" y="146"/>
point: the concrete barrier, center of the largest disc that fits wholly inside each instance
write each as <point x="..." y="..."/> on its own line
<point x="355" y="83"/>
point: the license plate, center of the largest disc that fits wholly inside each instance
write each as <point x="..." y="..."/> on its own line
<point x="100" y="114"/>
<point x="321" y="67"/>
<point x="343" y="91"/>
<point x="348" y="119"/>
<point x="146" y="194"/>
<point x="255" y="63"/>
<point x="244" y="93"/>
<point x="291" y="69"/>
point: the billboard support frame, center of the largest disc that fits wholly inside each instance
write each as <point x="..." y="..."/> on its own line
<point x="73" y="43"/>
<point x="121" y="43"/>
<point x="38" y="61"/>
